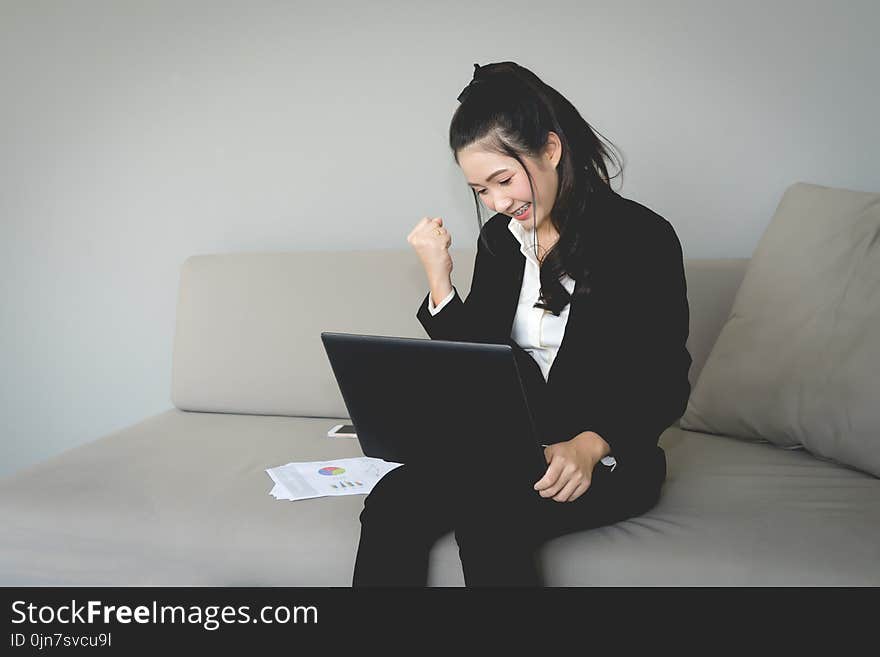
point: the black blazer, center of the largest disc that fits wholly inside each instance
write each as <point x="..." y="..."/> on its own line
<point x="622" y="367"/>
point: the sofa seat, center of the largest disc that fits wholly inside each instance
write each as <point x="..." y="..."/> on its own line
<point x="182" y="499"/>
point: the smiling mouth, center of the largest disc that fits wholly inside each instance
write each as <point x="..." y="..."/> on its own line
<point x="522" y="207"/>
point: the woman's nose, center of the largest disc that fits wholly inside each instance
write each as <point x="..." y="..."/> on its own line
<point x="502" y="204"/>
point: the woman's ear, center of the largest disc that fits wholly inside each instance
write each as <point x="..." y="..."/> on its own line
<point x="553" y="148"/>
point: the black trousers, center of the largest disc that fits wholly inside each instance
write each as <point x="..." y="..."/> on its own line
<point x="499" y="532"/>
<point x="500" y="524"/>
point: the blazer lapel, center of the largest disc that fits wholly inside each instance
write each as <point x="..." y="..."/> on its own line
<point x="508" y="302"/>
<point x="509" y="299"/>
<point x="572" y="330"/>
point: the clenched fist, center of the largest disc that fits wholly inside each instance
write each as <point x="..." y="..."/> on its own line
<point x="431" y="242"/>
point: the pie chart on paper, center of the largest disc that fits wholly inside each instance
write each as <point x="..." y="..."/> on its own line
<point x="331" y="470"/>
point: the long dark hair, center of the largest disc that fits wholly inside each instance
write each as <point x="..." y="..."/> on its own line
<point x="510" y="111"/>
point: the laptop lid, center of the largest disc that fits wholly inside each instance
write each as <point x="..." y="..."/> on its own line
<point x="437" y="401"/>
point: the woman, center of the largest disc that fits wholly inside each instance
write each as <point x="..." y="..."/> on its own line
<point x="589" y="289"/>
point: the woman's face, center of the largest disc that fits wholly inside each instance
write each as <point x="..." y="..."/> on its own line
<point x="502" y="185"/>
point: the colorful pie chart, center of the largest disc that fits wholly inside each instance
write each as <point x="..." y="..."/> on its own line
<point x="331" y="470"/>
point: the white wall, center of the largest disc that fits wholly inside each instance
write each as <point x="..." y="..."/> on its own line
<point x="135" y="134"/>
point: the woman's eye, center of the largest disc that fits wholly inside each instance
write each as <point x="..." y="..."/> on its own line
<point x="503" y="182"/>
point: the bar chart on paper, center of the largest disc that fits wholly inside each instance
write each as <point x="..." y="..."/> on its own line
<point x="346" y="483"/>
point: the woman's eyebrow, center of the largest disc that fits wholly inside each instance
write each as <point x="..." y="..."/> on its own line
<point x="489" y="178"/>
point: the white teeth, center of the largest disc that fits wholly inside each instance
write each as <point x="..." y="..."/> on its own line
<point x="522" y="209"/>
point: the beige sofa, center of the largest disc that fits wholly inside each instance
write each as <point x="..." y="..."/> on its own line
<point x="182" y="498"/>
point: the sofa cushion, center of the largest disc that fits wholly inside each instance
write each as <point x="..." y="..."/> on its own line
<point x="182" y="499"/>
<point x="248" y="325"/>
<point x="248" y="335"/>
<point x="735" y="513"/>
<point x="796" y="362"/>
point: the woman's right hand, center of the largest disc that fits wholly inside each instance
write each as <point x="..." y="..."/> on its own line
<point x="431" y="242"/>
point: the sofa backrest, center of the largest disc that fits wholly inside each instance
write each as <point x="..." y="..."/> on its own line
<point x="248" y="325"/>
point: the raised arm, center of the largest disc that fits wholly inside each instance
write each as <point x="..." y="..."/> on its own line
<point x="468" y="320"/>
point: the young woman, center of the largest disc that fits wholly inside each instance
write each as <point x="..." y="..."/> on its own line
<point x="589" y="289"/>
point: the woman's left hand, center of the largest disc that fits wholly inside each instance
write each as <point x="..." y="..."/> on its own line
<point x="571" y="464"/>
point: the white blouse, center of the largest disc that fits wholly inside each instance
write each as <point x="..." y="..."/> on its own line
<point x="537" y="330"/>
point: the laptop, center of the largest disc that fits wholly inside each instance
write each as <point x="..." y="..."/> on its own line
<point x="442" y="403"/>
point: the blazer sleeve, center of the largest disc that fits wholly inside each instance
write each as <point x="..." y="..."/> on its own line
<point x="640" y="385"/>
<point x="469" y="320"/>
<point x="436" y="309"/>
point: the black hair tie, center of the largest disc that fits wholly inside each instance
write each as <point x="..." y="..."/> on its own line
<point x="467" y="90"/>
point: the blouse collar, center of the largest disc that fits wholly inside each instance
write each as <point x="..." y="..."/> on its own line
<point x="524" y="237"/>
